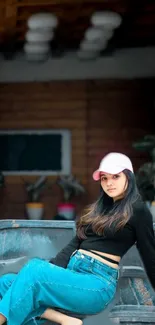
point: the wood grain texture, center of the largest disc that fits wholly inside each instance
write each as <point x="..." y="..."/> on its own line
<point x="102" y="115"/>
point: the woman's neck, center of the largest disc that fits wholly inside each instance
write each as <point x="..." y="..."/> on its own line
<point x="118" y="198"/>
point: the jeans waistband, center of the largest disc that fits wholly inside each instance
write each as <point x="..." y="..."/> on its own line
<point x="100" y="265"/>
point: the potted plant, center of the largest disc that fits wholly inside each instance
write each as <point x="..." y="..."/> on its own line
<point x="34" y="206"/>
<point x="71" y="188"/>
<point x="145" y="175"/>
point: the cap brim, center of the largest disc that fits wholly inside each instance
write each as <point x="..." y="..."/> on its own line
<point x="108" y="170"/>
<point x="96" y="175"/>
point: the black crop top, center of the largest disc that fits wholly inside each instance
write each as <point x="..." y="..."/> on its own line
<point x="139" y="230"/>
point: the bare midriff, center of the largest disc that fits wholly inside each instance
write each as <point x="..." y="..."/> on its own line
<point x="101" y="259"/>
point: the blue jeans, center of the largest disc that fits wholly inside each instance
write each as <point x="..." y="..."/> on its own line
<point x="5" y="283"/>
<point x="86" y="286"/>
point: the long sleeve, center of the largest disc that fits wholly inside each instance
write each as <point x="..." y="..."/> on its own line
<point x="146" y="240"/>
<point x="62" y="258"/>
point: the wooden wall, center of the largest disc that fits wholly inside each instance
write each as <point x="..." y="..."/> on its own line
<point x="103" y="116"/>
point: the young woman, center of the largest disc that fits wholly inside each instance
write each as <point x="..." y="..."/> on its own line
<point x="83" y="277"/>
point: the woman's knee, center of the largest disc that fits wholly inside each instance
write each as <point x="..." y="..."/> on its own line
<point x="35" y="261"/>
<point x="33" y="271"/>
<point x="35" y="265"/>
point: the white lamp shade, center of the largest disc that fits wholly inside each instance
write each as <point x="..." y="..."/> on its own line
<point x="97" y="34"/>
<point x="87" y="55"/>
<point x="107" y="19"/>
<point x="39" y="36"/>
<point x="92" y="46"/>
<point x="36" y="48"/>
<point x="42" y="20"/>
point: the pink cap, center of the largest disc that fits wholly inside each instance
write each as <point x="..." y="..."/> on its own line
<point x="113" y="163"/>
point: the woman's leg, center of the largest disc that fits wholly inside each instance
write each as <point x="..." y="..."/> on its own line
<point x="54" y="316"/>
<point x="57" y="317"/>
<point x="50" y="314"/>
<point x="6" y="281"/>
<point x="2" y="319"/>
<point x="40" y="285"/>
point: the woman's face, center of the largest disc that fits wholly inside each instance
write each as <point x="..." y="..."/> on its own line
<point x="114" y="185"/>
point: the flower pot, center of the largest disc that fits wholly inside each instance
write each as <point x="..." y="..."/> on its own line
<point x="66" y="210"/>
<point x="35" y="210"/>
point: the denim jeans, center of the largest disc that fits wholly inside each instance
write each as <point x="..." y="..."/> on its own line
<point x="86" y="286"/>
<point x="5" y="283"/>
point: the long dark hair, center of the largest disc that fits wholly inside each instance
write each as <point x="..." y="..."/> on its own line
<point x="105" y="212"/>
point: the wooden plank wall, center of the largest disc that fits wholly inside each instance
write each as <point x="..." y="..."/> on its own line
<point x="102" y="115"/>
<point x="119" y="113"/>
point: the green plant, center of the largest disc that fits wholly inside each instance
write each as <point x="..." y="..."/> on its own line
<point x="145" y="176"/>
<point x="35" y="190"/>
<point x="70" y="186"/>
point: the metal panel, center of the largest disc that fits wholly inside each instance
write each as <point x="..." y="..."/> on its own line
<point x="21" y="240"/>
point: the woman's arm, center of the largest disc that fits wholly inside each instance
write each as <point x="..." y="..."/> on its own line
<point x="145" y="240"/>
<point x="62" y="258"/>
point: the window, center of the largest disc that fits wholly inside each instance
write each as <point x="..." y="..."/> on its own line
<point x="35" y="152"/>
